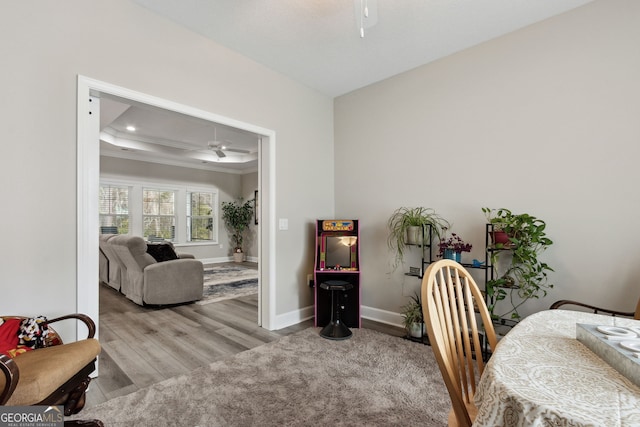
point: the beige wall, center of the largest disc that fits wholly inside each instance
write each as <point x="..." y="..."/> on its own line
<point x="47" y="46"/>
<point x="544" y="121"/>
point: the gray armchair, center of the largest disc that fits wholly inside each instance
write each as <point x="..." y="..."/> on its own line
<point x="110" y="264"/>
<point x="145" y="281"/>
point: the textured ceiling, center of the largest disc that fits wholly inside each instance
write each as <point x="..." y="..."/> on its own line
<point x="318" y="43"/>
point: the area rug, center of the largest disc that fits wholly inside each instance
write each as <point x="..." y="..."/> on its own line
<point x="228" y="281"/>
<point x="372" y="379"/>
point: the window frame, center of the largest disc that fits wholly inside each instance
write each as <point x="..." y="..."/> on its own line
<point x="213" y="216"/>
<point x="113" y="215"/>
<point x="136" y="201"/>
<point x="160" y="216"/>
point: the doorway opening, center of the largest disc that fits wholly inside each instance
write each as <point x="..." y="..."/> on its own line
<point x="88" y="178"/>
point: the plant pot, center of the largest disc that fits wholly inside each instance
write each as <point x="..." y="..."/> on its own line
<point x="238" y="257"/>
<point x="414" y="235"/>
<point x="416" y="330"/>
<point x="500" y="237"/>
<point x="450" y="254"/>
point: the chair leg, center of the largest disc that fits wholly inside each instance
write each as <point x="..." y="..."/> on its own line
<point x="75" y="401"/>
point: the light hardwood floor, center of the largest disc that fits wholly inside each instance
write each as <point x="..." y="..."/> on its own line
<point x="142" y="345"/>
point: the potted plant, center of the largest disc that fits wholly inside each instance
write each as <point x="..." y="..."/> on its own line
<point x="412" y="316"/>
<point x="237" y="216"/>
<point x="452" y="247"/>
<point x="405" y="222"/>
<point x="498" y="218"/>
<point x="524" y="272"/>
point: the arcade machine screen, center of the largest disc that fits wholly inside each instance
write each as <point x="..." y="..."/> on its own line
<point x="338" y="252"/>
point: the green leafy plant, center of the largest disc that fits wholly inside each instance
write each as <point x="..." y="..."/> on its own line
<point x="525" y="272"/>
<point x="237" y="216"/>
<point x="403" y="219"/>
<point x="412" y="312"/>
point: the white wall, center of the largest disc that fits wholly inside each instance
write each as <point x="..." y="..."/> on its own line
<point x="123" y="44"/>
<point x="544" y="121"/>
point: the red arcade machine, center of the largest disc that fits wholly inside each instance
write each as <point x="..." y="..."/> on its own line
<point x="337" y="277"/>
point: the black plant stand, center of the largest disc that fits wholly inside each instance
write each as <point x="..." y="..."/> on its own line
<point x="424" y="339"/>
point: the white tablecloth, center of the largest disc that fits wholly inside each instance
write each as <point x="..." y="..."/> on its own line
<point x="540" y="375"/>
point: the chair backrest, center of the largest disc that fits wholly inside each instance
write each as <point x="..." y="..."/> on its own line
<point x="456" y="317"/>
<point x="132" y="251"/>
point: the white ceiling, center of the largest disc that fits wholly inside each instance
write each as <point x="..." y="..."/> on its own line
<point x="317" y="43"/>
<point x="172" y="138"/>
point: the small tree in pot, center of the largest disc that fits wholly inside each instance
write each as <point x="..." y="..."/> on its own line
<point x="237" y="217"/>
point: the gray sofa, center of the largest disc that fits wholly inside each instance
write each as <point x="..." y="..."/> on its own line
<point x="110" y="273"/>
<point x="142" y="279"/>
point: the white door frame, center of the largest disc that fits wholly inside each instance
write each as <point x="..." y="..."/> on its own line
<point x="88" y="182"/>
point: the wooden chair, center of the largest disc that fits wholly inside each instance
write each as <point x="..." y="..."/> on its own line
<point x="57" y="374"/>
<point x="456" y="317"/>
<point x="594" y="309"/>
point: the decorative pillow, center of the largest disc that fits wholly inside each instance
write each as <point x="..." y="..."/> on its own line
<point x="18" y="336"/>
<point x="161" y="251"/>
<point x="33" y="332"/>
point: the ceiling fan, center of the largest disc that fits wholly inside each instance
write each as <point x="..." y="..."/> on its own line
<point x="220" y="147"/>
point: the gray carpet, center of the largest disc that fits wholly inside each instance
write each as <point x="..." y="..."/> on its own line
<point x="228" y="281"/>
<point x="372" y="379"/>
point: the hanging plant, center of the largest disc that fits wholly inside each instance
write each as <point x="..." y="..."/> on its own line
<point x="403" y="219"/>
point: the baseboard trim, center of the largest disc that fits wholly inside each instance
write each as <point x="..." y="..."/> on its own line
<point x="369" y="313"/>
<point x="216" y="260"/>
<point x="225" y="259"/>
<point x="293" y="317"/>
<point x="382" y="316"/>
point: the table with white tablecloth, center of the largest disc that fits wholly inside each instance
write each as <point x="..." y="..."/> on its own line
<point x="540" y="375"/>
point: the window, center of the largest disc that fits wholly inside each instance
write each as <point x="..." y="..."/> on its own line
<point x="200" y="216"/>
<point x="182" y="214"/>
<point x="158" y="214"/>
<point x="114" y="209"/>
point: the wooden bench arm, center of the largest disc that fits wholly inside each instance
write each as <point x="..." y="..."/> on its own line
<point x="91" y="326"/>
<point x="593" y="308"/>
<point x="11" y="375"/>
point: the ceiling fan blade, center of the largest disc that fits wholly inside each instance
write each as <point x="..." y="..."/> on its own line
<point x="220" y="153"/>
<point x="237" y="150"/>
